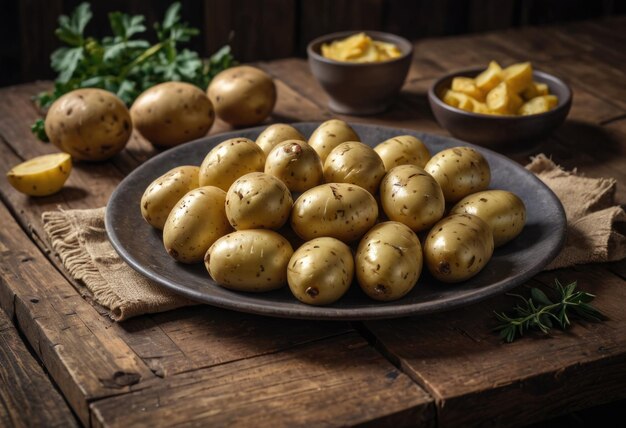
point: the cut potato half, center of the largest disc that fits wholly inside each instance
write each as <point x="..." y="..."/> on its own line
<point x="42" y="175"/>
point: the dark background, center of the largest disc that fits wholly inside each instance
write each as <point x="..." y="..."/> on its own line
<point x="268" y="29"/>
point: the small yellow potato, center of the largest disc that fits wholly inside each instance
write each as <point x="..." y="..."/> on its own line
<point x="252" y="260"/>
<point x="42" y="175"/>
<point x="329" y="135"/>
<point x="258" y="201"/>
<point x="243" y="95"/>
<point x="467" y="86"/>
<point x="339" y="210"/>
<point x="459" y="171"/>
<point x="164" y="192"/>
<point x="172" y="113"/>
<point x="388" y="261"/>
<point x="503" y="211"/>
<point x="458" y="247"/>
<point x="411" y="196"/>
<point x="320" y="271"/>
<point x="403" y="150"/>
<point x="354" y="163"/>
<point x="277" y="133"/>
<point x="540" y="104"/>
<point x="195" y="223"/>
<point x="296" y="164"/>
<point x="500" y="99"/>
<point x="490" y="78"/>
<point x="229" y="160"/>
<point x="518" y="76"/>
<point x="458" y="100"/>
<point x="90" y="124"/>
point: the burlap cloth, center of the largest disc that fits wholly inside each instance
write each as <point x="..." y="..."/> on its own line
<point x="79" y="239"/>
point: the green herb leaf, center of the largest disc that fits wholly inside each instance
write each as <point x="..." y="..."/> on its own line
<point x="124" y="64"/>
<point x="539" y="312"/>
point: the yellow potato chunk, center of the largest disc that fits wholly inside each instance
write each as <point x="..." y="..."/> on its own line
<point x="360" y="48"/>
<point x="490" y="78"/>
<point x="518" y="76"/>
<point x="458" y="100"/>
<point x="535" y="89"/>
<point x="41" y="176"/>
<point x="481" y="108"/>
<point x="540" y="104"/>
<point x="500" y="99"/>
<point x="467" y="86"/>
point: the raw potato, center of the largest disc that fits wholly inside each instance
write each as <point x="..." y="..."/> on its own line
<point x="339" y="210"/>
<point x="172" y="113"/>
<point x="275" y="134"/>
<point x="42" y="175"/>
<point x="503" y="211"/>
<point x="195" y="223"/>
<point x="89" y="124"/>
<point x="388" y="261"/>
<point x="249" y="260"/>
<point x="242" y="96"/>
<point x="320" y="271"/>
<point x="459" y="171"/>
<point x="258" y="201"/>
<point x="229" y="160"/>
<point x="329" y="135"/>
<point x="503" y="100"/>
<point x="355" y="163"/>
<point x="458" y="247"/>
<point x="296" y="164"/>
<point x="459" y="100"/>
<point x="402" y="150"/>
<point x="164" y="192"/>
<point x="411" y="196"/>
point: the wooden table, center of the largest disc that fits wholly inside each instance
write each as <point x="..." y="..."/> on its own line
<point x="211" y="367"/>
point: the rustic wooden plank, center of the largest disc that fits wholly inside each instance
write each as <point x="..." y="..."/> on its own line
<point x="405" y="113"/>
<point x="474" y="377"/>
<point x="27" y="397"/>
<point x="82" y="354"/>
<point x="343" y="383"/>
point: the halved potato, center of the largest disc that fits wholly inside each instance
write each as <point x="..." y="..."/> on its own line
<point x="42" y="175"/>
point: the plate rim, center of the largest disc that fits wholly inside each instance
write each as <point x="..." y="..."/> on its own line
<point x="391" y="309"/>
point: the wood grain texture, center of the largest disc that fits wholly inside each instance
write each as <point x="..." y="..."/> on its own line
<point x="343" y="383"/>
<point x="474" y="377"/>
<point x="83" y="355"/>
<point x="27" y="397"/>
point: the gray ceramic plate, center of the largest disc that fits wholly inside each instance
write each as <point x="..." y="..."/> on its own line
<point x="140" y="245"/>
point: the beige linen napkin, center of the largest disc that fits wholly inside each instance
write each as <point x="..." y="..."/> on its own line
<point x="592" y="215"/>
<point x="79" y="238"/>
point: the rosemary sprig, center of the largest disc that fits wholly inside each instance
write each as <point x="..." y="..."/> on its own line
<point x="539" y="312"/>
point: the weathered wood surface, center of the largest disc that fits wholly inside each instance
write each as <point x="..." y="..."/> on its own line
<point x="27" y="397"/>
<point x="207" y="366"/>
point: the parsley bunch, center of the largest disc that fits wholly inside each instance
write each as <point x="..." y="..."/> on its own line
<point x="123" y="63"/>
<point x="541" y="313"/>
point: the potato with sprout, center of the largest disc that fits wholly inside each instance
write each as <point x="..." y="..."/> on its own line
<point x="296" y="164"/>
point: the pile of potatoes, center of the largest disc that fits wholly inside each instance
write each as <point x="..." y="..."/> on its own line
<point x="498" y="91"/>
<point x="357" y="213"/>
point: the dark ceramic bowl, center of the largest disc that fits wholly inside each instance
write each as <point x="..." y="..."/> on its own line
<point x="360" y="88"/>
<point x="500" y="132"/>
